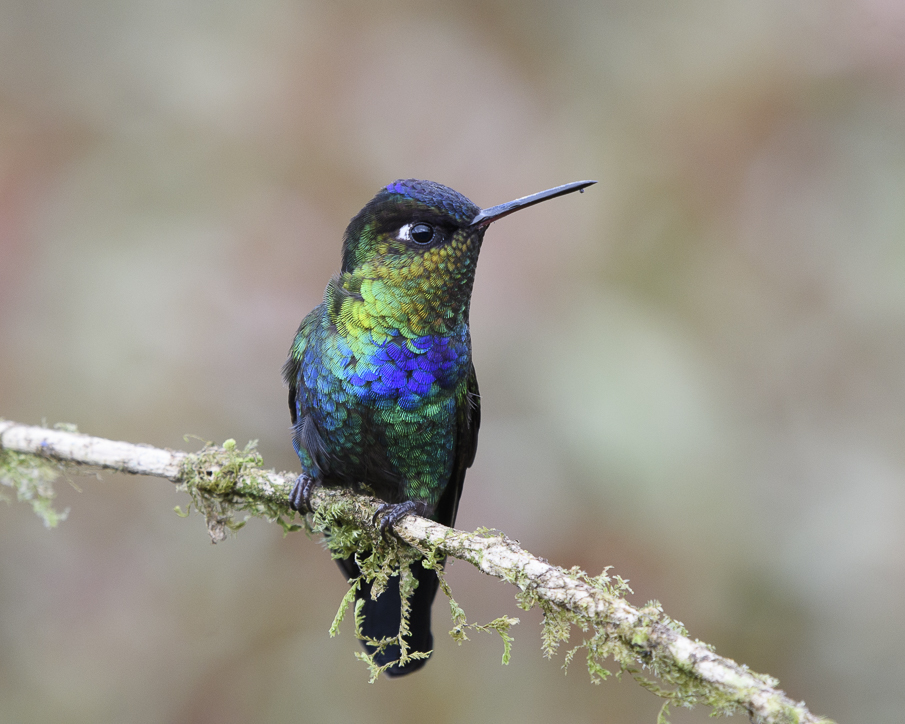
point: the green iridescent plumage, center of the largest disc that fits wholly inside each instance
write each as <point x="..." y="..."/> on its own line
<point x="379" y="371"/>
<point x="381" y="385"/>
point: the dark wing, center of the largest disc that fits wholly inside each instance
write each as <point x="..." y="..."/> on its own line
<point x="293" y="366"/>
<point x="305" y="435"/>
<point x="291" y="377"/>
<point x="468" y="409"/>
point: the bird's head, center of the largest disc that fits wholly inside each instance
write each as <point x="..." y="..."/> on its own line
<point x="411" y="252"/>
<point x="411" y="219"/>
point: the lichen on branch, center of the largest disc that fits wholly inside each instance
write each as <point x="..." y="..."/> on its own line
<point x="32" y="478"/>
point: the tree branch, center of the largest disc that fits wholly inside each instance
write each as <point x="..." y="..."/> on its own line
<point x="224" y="480"/>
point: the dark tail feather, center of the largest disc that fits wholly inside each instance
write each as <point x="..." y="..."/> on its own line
<point x="383" y="616"/>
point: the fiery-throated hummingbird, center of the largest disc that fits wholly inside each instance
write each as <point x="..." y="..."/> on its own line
<point x="382" y="390"/>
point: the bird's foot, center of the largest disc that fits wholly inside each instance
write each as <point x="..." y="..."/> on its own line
<point x="392" y="513"/>
<point x="300" y="497"/>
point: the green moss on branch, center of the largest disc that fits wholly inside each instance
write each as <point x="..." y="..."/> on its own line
<point x="226" y="482"/>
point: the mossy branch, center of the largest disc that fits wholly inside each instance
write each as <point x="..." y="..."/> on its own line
<point x="226" y="481"/>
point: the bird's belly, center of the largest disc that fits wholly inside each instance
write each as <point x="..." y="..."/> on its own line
<point x="400" y="453"/>
<point x="389" y="419"/>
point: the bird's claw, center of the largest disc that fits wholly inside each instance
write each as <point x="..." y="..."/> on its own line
<point x="391" y="513"/>
<point x="300" y="497"/>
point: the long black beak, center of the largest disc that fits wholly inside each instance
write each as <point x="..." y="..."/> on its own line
<point x="486" y="216"/>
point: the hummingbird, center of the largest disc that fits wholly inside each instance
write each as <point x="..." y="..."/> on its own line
<point x="382" y="389"/>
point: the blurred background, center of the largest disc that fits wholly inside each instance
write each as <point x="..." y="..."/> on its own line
<point x="694" y="372"/>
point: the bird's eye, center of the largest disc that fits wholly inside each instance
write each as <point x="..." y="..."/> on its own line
<point x="419" y="232"/>
<point x="422" y="233"/>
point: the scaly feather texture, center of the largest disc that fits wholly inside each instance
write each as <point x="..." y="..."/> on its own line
<point x="382" y="389"/>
